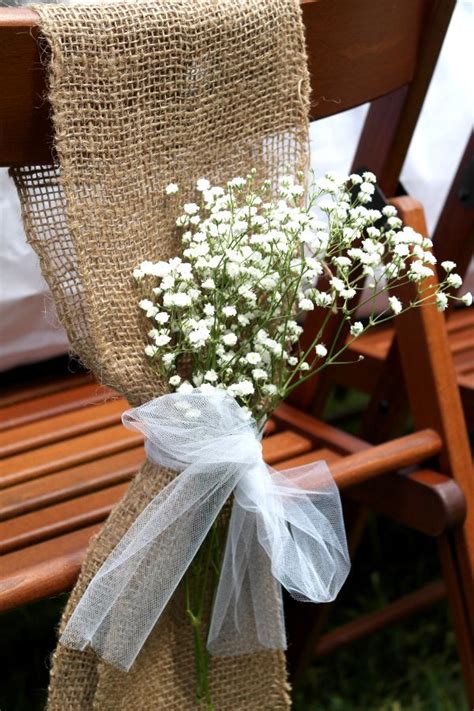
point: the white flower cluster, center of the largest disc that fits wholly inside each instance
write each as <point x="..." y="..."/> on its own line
<point x="225" y="314"/>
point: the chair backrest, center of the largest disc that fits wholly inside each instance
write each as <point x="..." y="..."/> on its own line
<point x="379" y="51"/>
<point x="358" y="51"/>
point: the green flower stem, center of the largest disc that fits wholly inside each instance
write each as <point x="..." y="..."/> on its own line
<point x="200" y="582"/>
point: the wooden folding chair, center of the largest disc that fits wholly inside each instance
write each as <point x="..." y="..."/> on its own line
<point x="60" y="478"/>
<point x="453" y="239"/>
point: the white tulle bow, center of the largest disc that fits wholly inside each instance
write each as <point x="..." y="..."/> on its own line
<point x="285" y="526"/>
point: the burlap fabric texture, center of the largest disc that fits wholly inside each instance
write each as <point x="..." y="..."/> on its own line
<point x="142" y="94"/>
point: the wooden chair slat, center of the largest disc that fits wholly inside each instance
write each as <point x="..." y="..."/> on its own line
<point x="371" y="622"/>
<point x="63" y="561"/>
<point x="467" y="379"/>
<point x="361" y="32"/>
<point x="464" y="364"/>
<point x="27" y="479"/>
<point x="44" y="386"/>
<point x="90" y="508"/>
<point x="42" y="570"/>
<point x="69" y="483"/>
<point x="58" y="403"/>
<point x="323" y="434"/>
<point x="375" y="347"/>
<point x="52" y="521"/>
<point x="68" y="453"/>
<point x="60" y="427"/>
<point x="284" y="445"/>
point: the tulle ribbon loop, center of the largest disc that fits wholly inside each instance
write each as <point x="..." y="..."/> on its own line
<point x="286" y="527"/>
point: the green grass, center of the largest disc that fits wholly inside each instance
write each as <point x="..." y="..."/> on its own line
<point x="411" y="666"/>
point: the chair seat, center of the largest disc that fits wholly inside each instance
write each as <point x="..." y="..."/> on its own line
<point x="374" y="347"/>
<point x="67" y="461"/>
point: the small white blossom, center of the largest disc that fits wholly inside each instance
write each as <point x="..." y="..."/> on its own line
<point x="270" y="389"/>
<point x="237" y="182"/>
<point x="337" y="284"/>
<point x="323" y="298"/>
<point x="149" y="307"/>
<point x="395" y="304"/>
<point x="343" y="262"/>
<point x="179" y="299"/>
<point x="151" y="351"/>
<point x="174" y="381"/>
<point x="419" y="271"/>
<point x="356" y="328"/>
<point x="467" y="299"/>
<point x="428" y="257"/>
<point x="185" y="388"/>
<point x="211" y="376"/>
<point x="162" y="317"/>
<point x="253" y="358"/>
<point x="306" y="305"/>
<point x="448" y="266"/>
<point x="229" y="311"/>
<point x="171" y="189"/>
<point x="454" y="280"/>
<point x="230" y="339"/>
<point x="199" y="336"/>
<point x="348" y="293"/>
<point x="162" y="339"/>
<point x="441" y="301"/>
<point x="321" y="350"/>
<point x="202" y="185"/>
<point x="168" y="359"/>
<point x="242" y="388"/>
<point x="190" y="208"/>
<point x="259" y="374"/>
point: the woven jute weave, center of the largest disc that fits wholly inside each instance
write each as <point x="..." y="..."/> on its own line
<point x="143" y="94"/>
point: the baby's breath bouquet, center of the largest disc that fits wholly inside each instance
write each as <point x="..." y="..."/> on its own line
<point x="227" y="313"/>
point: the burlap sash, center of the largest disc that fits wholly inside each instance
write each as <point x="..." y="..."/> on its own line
<point x="145" y="93"/>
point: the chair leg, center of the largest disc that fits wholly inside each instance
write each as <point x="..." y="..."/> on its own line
<point x="459" y="605"/>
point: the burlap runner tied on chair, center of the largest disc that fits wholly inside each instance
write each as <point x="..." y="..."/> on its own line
<point x="142" y="94"/>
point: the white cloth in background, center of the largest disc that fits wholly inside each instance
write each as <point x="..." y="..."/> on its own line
<point x="442" y="130"/>
<point x="29" y="329"/>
